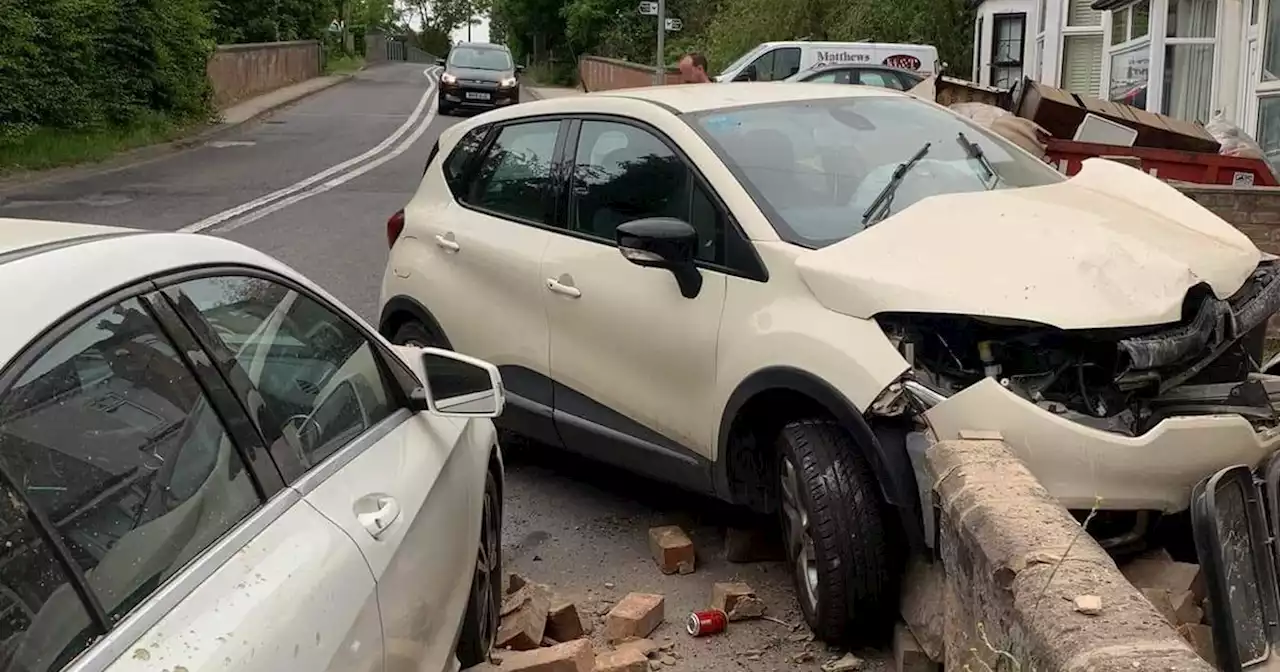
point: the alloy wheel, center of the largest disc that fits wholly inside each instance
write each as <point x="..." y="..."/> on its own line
<point x="487" y="563"/>
<point x="798" y="534"/>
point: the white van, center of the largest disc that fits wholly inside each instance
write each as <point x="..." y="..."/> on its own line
<point x="776" y="61"/>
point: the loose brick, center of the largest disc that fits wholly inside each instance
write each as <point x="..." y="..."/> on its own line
<point x="737" y="600"/>
<point x="622" y="660"/>
<point x="1162" y="600"/>
<point x="672" y="549"/>
<point x="637" y="615"/>
<point x="907" y="653"/>
<point x="1089" y="605"/>
<point x="524" y="619"/>
<point x="1186" y="607"/>
<point x="752" y="544"/>
<point x="575" y="656"/>
<point x="563" y="622"/>
<point x="515" y="582"/>
<point x="1158" y="570"/>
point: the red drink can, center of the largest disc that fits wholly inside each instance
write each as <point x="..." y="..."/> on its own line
<point x="709" y="622"/>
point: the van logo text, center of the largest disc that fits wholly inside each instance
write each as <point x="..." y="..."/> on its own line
<point x="904" y="61"/>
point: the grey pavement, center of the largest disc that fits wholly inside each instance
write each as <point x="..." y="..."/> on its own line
<point x="578" y="526"/>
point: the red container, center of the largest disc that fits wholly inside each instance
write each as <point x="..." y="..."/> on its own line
<point x="709" y="622"/>
<point x="1169" y="164"/>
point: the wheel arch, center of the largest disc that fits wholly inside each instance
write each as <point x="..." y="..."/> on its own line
<point x="401" y="309"/>
<point x="770" y="397"/>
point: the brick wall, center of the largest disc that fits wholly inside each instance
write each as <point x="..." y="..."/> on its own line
<point x="1253" y="210"/>
<point x="598" y="73"/>
<point x="241" y="71"/>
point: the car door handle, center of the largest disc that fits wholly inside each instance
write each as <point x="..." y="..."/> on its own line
<point x="448" y="243"/>
<point x="376" y="522"/>
<point x="561" y="288"/>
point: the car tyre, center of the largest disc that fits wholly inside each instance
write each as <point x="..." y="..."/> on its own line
<point x="416" y="334"/>
<point x="840" y="548"/>
<point x="445" y="109"/>
<point x="480" y="625"/>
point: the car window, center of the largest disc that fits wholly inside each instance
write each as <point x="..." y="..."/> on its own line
<point x="778" y="64"/>
<point x="880" y="78"/>
<point x="460" y="157"/>
<point x="514" y="177"/>
<point x="831" y="77"/>
<point x="111" y="438"/>
<point x="36" y="597"/>
<point x="815" y="166"/>
<point x="622" y="173"/>
<point x="479" y="58"/>
<point x="317" y="376"/>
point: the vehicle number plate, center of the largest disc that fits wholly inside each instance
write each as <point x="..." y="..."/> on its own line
<point x="476" y="95"/>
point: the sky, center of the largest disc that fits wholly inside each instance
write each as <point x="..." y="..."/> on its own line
<point x="479" y="33"/>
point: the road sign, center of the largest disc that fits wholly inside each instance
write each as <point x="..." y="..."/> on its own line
<point x="649" y="8"/>
<point x="674" y="25"/>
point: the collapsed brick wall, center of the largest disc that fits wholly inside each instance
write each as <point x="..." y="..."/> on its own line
<point x="1010" y="585"/>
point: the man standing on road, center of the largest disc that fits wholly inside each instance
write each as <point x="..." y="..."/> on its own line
<point x="693" y="69"/>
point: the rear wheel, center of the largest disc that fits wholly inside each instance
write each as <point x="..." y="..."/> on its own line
<point x="480" y="625"/>
<point x="840" y="547"/>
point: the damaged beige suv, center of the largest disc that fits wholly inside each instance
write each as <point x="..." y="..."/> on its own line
<point x="781" y="294"/>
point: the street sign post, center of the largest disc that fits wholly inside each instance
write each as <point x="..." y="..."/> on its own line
<point x="649" y="8"/>
<point x="660" y="75"/>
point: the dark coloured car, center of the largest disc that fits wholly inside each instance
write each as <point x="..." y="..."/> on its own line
<point x="867" y="75"/>
<point x="478" y="75"/>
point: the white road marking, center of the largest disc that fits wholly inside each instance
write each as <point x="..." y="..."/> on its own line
<point x="335" y="182"/>
<point x="229" y="214"/>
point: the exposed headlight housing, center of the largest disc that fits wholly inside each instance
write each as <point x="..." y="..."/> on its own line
<point x="508" y="82"/>
<point x="447" y="78"/>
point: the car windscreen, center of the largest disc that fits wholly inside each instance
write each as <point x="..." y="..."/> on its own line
<point x="480" y="59"/>
<point x="815" y="167"/>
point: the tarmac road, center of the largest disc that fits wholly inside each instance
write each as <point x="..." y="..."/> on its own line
<point x="313" y="185"/>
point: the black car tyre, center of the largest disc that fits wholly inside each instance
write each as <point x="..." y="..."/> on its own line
<point x="480" y="625"/>
<point x="841" y="550"/>
<point x="416" y="334"/>
<point x="445" y="109"/>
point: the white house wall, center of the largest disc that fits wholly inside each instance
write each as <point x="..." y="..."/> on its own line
<point x="988" y="10"/>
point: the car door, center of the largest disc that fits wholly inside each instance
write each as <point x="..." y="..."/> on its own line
<point x="633" y="360"/>
<point x="482" y="267"/>
<point x="329" y="397"/>
<point x="144" y="526"/>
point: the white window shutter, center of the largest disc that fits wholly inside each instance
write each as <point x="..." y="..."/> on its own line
<point x="1081" y="15"/>
<point x="1082" y="64"/>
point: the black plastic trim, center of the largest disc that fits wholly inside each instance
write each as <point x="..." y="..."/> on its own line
<point x="406" y="304"/>
<point x="890" y="463"/>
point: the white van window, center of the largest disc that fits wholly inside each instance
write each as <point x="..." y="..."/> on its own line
<point x="778" y="64"/>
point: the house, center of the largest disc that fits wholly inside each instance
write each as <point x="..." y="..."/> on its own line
<point x="1189" y="59"/>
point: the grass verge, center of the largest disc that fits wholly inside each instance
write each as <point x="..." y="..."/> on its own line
<point x="45" y="148"/>
<point x="342" y="64"/>
<point x="551" y="74"/>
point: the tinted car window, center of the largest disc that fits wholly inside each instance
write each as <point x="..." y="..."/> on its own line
<point x="318" y="377"/>
<point x="880" y="78"/>
<point x="461" y="157"/>
<point x="815" y="166"/>
<point x="623" y="173"/>
<point x="111" y="438"/>
<point x="514" y="177"/>
<point x="479" y="58"/>
<point x="778" y="64"/>
<point x="36" y="597"/>
<point x="831" y="77"/>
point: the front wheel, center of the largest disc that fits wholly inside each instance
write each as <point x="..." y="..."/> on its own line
<point x="480" y="625"/>
<point x="842" y="552"/>
<point x="445" y="109"/>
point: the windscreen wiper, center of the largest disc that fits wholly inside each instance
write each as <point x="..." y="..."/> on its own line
<point x="885" y="198"/>
<point x="975" y="152"/>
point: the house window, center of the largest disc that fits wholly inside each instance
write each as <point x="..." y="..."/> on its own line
<point x="1083" y="49"/>
<point x="1130" y="76"/>
<point x="1188" y="59"/>
<point x="1131" y="23"/>
<point x="1008" y="35"/>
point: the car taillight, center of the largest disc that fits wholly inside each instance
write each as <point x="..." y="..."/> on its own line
<point x="395" y="225"/>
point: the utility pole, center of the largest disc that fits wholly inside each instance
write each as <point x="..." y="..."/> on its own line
<point x="660" y="77"/>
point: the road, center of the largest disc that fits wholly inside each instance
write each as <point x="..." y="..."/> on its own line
<point x="580" y="527"/>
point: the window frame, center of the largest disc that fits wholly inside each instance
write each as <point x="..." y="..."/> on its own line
<point x="773" y="54"/>
<point x="741" y="258"/>
<point x="386" y="360"/>
<point x="491" y="136"/>
<point x="1021" y="62"/>
<point x="113" y="638"/>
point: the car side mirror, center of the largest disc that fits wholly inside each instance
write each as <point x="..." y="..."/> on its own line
<point x="748" y="74"/>
<point x="440" y="61"/>
<point x="663" y="242"/>
<point x="459" y="386"/>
